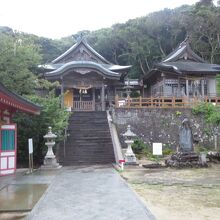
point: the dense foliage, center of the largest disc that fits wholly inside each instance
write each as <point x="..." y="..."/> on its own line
<point x="19" y="58"/>
<point x="37" y="126"/>
<point x="210" y="112"/>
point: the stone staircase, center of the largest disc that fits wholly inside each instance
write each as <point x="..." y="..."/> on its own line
<point x="89" y="140"/>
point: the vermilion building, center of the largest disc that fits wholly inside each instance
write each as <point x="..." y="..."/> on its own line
<point x="9" y="104"/>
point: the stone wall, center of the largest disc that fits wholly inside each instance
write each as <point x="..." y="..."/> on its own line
<point x="162" y="125"/>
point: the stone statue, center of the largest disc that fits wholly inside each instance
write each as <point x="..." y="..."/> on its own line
<point x="185" y="137"/>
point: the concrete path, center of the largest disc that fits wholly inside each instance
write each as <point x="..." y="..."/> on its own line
<point x="92" y="193"/>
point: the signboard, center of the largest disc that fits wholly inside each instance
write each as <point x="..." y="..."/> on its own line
<point x="157" y="149"/>
<point x="30" y="149"/>
<point x="30" y="145"/>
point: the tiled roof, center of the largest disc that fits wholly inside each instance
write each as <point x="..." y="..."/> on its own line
<point x="83" y="64"/>
<point x="15" y="101"/>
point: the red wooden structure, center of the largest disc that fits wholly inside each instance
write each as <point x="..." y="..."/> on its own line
<point x="9" y="104"/>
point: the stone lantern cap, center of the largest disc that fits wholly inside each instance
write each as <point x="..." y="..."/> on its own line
<point x="50" y="135"/>
<point x="129" y="133"/>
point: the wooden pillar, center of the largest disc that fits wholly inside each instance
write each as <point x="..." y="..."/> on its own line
<point x="62" y="93"/>
<point x="178" y="88"/>
<point x="93" y="99"/>
<point x="129" y="101"/>
<point x="140" y="102"/>
<point x="103" y="97"/>
<point x="163" y="87"/>
<point x="116" y="101"/>
<point x="187" y="88"/>
<point x="203" y="88"/>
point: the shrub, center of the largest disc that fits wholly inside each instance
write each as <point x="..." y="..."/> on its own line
<point x="139" y="146"/>
<point x="178" y="113"/>
<point x="167" y="151"/>
<point x="210" y="112"/>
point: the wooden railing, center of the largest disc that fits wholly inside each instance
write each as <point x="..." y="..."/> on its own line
<point x="162" y="102"/>
<point x="83" y="106"/>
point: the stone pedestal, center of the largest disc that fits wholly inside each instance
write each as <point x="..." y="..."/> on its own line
<point x="50" y="161"/>
<point x="50" y="164"/>
<point x="185" y="159"/>
<point x="130" y="158"/>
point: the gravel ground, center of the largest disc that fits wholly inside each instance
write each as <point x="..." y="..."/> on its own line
<point x="171" y="194"/>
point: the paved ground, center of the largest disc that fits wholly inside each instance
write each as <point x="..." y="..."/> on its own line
<point x="94" y="193"/>
<point x="20" y="192"/>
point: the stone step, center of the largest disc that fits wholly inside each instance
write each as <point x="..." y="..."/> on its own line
<point x="90" y="157"/>
<point x="85" y="126"/>
<point x="86" y="139"/>
<point x="95" y="134"/>
<point x="76" y="163"/>
<point x="100" y="156"/>
<point x="89" y="140"/>
<point x="88" y="146"/>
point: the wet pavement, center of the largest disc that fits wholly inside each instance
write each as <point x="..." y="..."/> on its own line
<point x="20" y="192"/>
<point x="20" y="197"/>
<point x="90" y="193"/>
<point x="96" y="192"/>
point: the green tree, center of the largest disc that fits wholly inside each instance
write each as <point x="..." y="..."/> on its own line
<point x="202" y="23"/>
<point x="37" y="126"/>
<point x="19" y="57"/>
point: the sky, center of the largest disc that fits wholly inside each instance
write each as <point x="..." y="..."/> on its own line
<point x="61" y="18"/>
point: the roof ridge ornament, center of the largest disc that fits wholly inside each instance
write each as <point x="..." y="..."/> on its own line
<point x="185" y="42"/>
<point x="81" y="37"/>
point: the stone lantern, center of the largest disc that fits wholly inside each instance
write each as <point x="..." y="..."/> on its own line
<point x="50" y="161"/>
<point x="130" y="157"/>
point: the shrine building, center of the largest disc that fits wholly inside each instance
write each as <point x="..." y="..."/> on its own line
<point x="88" y="81"/>
<point x="182" y="74"/>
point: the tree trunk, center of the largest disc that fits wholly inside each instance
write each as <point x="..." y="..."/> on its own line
<point x="160" y="46"/>
<point x="141" y="65"/>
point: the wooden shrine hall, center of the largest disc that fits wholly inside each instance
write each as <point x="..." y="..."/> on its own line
<point x="88" y="81"/>
<point x="182" y="74"/>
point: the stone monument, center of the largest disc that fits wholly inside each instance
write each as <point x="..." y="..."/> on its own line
<point x="185" y="137"/>
<point x="130" y="157"/>
<point x="185" y="157"/>
<point x="50" y="161"/>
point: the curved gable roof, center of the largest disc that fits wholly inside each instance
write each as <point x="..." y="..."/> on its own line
<point x="183" y="60"/>
<point x="183" y="52"/>
<point x="79" y="43"/>
<point x="83" y="64"/>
